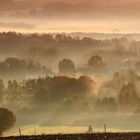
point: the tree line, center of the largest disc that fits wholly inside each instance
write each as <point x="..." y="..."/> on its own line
<point x="119" y="93"/>
<point x="19" y="39"/>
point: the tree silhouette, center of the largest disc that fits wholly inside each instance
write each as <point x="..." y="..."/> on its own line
<point x="7" y="119"/>
<point x="95" y="61"/>
<point x="66" y="66"/>
<point x="128" y="97"/>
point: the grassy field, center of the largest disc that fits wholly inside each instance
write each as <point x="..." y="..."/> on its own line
<point x="94" y="136"/>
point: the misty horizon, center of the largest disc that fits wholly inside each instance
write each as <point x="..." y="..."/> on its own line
<point x="69" y="66"/>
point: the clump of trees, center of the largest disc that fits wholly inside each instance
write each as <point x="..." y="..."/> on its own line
<point x="128" y="97"/>
<point x="124" y="76"/>
<point x="7" y="119"/>
<point x="66" y="66"/>
<point x="113" y="94"/>
<point x="12" y="66"/>
<point x="96" y="61"/>
<point x="125" y="45"/>
<point x="122" y="88"/>
<point x="44" y="91"/>
<point x="119" y="93"/>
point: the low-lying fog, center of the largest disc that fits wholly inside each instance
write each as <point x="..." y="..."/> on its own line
<point x="50" y="80"/>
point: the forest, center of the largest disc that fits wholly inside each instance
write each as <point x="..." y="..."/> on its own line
<point x="48" y="79"/>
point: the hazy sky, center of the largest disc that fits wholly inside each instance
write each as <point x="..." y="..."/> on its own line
<point x="70" y="16"/>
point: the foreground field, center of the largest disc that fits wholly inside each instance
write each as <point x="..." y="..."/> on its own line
<point x="94" y="136"/>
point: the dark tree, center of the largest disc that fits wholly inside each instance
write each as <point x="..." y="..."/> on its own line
<point x="66" y="66"/>
<point x="95" y="61"/>
<point x="7" y="119"/>
<point x="128" y="97"/>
